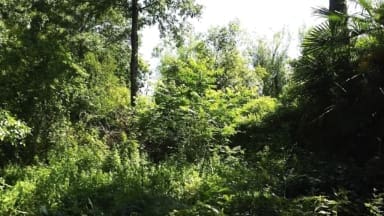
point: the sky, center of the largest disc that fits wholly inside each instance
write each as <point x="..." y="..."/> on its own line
<point x="262" y="18"/>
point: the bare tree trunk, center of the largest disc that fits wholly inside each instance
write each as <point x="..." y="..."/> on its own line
<point x="134" y="64"/>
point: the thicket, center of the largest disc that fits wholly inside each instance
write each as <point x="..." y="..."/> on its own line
<point x="234" y="127"/>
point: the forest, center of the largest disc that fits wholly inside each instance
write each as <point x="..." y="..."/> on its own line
<point x="232" y="126"/>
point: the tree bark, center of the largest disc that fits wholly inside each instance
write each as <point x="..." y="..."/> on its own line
<point x="337" y="6"/>
<point x="134" y="63"/>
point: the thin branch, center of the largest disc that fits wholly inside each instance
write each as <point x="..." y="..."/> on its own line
<point x="381" y="90"/>
<point x="148" y="6"/>
<point x="341" y="87"/>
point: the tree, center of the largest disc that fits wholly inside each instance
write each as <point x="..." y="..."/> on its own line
<point x="207" y="88"/>
<point x="60" y="64"/>
<point x="337" y="6"/>
<point x="270" y="60"/>
<point x="338" y="24"/>
<point x="12" y="135"/>
<point x="134" y="64"/>
<point x="338" y="87"/>
<point x="230" y="63"/>
<point x="169" y="15"/>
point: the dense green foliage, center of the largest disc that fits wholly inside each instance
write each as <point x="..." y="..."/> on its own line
<point x="232" y="128"/>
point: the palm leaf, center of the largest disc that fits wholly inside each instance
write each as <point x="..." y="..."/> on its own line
<point x="317" y="39"/>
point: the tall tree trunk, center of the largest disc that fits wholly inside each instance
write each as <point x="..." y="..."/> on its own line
<point x="134" y="64"/>
<point x="339" y="28"/>
<point x="337" y="6"/>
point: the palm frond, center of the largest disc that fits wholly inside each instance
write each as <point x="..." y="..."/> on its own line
<point x="317" y="39"/>
<point x="367" y="6"/>
<point x="322" y="12"/>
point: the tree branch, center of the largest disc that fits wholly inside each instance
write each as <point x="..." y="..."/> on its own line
<point x="148" y="6"/>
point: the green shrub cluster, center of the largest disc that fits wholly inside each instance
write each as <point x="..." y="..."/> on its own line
<point x="228" y="130"/>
